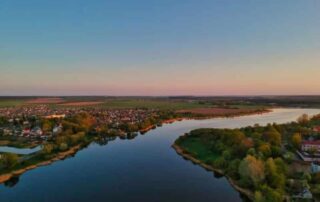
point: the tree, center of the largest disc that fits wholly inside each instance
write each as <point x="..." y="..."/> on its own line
<point x="47" y="148"/>
<point x="281" y="165"/>
<point x="271" y="194"/>
<point x="84" y="120"/>
<point x="132" y="127"/>
<point x="265" y="149"/>
<point x="303" y="119"/>
<point x="258" y="197"/>
<point x="274" y="176"/>
<point x="63" y="146"/>
<point x="272" y="136"/>
<point x="9" y="160"/>
<point x="47" y="125"/>
<point x="220" y="162"/>
<point x="251" y="152"/>
<point x="306" y="176"/>
<point x="232" y="169"/>
<point x="227" y="155"/>
<point x="296" y="140"/>
<point x="252" y="170"/>
<point x="276" y="151"/>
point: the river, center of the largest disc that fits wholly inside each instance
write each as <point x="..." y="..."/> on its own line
<point x="19" y="150"/>
<point x="145" y="168"/>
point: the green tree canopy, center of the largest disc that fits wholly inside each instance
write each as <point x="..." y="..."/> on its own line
<point x="252" y="170"/>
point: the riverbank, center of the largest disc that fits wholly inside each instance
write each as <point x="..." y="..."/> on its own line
<point x="73" y="150"/>
<point x="58" y="157"/>
<point x="170" y="121"/>
<point x="232" y="115"/>
<point x="199" y="184"/>
<point x="257" y="161"/>
<point x="248" y="193"/>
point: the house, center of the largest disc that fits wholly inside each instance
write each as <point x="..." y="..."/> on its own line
<point x="55" y="116"/>
<point x="7" y="131"/>
<point x="310" y="150"/>
<point x="307" y="194"/>
<point x="300" y="190"/>
<point x="36" y="131"/>
<point x="26" y="123"/>
<point x="26" y="131"/>
<point x="310" y="145"/>
<point x="316" y="129"/>
<point x="57" y="129"/>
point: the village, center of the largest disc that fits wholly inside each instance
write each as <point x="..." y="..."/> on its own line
<point x="27" y="121"/>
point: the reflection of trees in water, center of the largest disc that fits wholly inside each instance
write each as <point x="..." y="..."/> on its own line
<point x="244" y="198"/>
<point x="217" y="175"/>
<point x="131" y="136"/>
<point x="12" y="181"/>
<point x="103" y="139"/>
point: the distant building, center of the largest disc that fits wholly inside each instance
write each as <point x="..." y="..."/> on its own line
<point x="57" y="129"/>
<point x="7" y="131"/>
<point x="55" y="116"/>
<point x="309" y="145"/>
<point x="25" y="122"/>
<point x="36" y="131"/>
<point x="305" y="194"/>
<point x="310" y="151"/>
<point x="26" y="131"/>
<point x="316" y="129"/>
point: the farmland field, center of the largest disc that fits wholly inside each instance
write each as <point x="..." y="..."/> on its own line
<point x="10" y="103"/>
<point x="219" y="111"/>
<point x="153" y="104"/>
<point x="107" y="103"/>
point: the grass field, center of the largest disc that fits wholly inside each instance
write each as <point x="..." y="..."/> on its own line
<point x="219" y="111"/>
<point x="197" y="148"/>
<point x="153" y="104"/>
<point x="161" y="104"/>
<point x="10" y="103"/>
<point x="116" y="103"/>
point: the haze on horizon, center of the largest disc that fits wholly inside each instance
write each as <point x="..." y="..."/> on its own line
<point x="159" y="47"/>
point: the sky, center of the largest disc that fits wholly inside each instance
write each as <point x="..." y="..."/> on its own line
<point x="159" y="47"/>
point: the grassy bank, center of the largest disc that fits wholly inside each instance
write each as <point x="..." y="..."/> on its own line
<point x="258" y="161"/>
<point x="35" y="162"/>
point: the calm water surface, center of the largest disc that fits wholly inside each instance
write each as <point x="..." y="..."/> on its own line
<point x="143" y="169"/>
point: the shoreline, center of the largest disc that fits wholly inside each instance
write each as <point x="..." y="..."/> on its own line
<point x="58" y="157"/>
<point x="248" y="193"/>
<point x="62" y="155"/>
<point x="170" y="121"/>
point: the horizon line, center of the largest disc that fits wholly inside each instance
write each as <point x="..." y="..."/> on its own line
<point x="262" y="95"/>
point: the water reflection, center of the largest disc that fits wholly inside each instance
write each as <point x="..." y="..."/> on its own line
<point x="12" y="181"/>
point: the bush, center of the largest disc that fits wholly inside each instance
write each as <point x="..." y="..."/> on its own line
<point x="63" y="146"/>
<point x="9" y="160"/>
<point x="271" y="194"/>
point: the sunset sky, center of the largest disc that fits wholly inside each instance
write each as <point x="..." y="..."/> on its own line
<point x="159" y="47"/>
